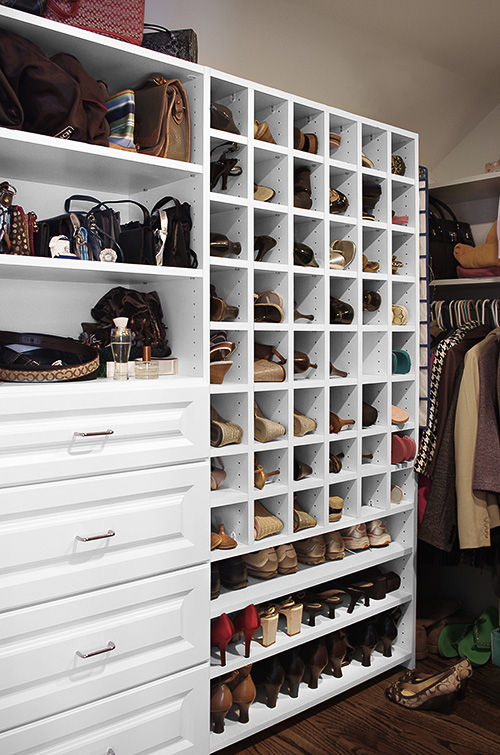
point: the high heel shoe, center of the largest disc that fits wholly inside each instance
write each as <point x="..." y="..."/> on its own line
<point x="266" y="430"/>
<point x="302" y="424"/>
<point x="221" y="118"/>
<point x="294" y="668"/>
<point x="269" y="618"/>
<point x="221" y="700"/>
<point x="265" y="523"/>
<point x="387" y="630"/>
<point x="438" y="692"/>
<point x="221" y="633"/>
<point x="261" y="477"/>
<point x="268" y="313"/>
<point x="301" y="470"/>
<point x="248" y="622"/>
<point x="244" y="693"/>
<point x="300" y="316"/>
<point x="222" y="432"/>
<point x="336" y="372"/>
<point x="341" y="313"/>
<point x="337" y="646"/>
<point x="315" y="657"/>
<point x="335" y="463"/>
<point x="364" y="637"/>
<point x="219" y="309"/>
<point x="267" y="371"/>
<point x="217" y="474"/>
<point x="221" y="246"/>
<point x="293" y="614"/>
<point x="302" y="520"/>
<point x="302" y="363"/>
<point x="270" y="674"/>
<point x="303" y="255"/>
<point x="224" y="166"/>
<point x="219" y="364"/>
<point x="263" y="245"/>
<point x="329" y="599"/>
<point x="310" y="606"/>
<point x="266" y="351"/>
<point x="338" y="202"/>
<point x="336" y="423"/>
<point x="262" y="132"/>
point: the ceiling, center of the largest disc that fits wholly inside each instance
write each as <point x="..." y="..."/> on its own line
<point x="437" y="69"/>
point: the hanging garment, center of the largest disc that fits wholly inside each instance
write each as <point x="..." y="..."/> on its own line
<point x="487" y="457"/>
<point x="477" y="512"/>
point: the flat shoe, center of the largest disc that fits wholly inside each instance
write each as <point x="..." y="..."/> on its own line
<point x="226" y="542"/>
<point x="399" y="416"/>
<point x="476" y="645"/>
<point x="262" y="564"/>
<point x="401" y="362"/>
<point x="369" y="415"/>
<point x="398" y="450"/>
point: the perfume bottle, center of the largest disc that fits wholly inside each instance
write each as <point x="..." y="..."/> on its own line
<point x="121" y="341"/>
<point x="147" y="368"/>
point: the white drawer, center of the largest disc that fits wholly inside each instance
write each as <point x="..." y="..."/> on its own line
<point x="137" y="426"/>
<point x="160" y="519"/>
<point x="157" y="627"/>
<point x="165" y="717"/>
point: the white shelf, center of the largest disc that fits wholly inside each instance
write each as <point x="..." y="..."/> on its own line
<point x="466" y="282"/>
<point x="484" y="186"/>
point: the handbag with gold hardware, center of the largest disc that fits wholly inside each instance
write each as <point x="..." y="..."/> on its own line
<point x="162" y="123"/>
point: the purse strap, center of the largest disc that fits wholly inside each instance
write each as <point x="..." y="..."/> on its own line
<point x="155" y="28"/>
<point x="440" y="207"/>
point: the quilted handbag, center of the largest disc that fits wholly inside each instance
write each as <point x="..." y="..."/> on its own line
<point x="121" y="19"/>
<point x="180" y="43"/>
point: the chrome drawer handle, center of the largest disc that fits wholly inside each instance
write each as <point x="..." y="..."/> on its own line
<point x="109" y="533"/>
<point x="92" y="435"/>
<point x="111" y="646"/>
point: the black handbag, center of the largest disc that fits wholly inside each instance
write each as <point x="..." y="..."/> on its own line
<point x="180" y="43"/>
<point x="444" y="233"/>
<point x="172" y="233"/>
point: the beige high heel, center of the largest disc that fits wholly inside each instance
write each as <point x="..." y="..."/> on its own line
<point x="262" y="132"/>
<point x="266" y="430"/>
<point x="293" y="613"/>
<point x="269" y="618"/>
<point x="302" y="424"/>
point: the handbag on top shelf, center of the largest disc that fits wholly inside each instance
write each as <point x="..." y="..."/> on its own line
<point x="120" y="19"/>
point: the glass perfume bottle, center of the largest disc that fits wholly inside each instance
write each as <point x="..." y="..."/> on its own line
<point x="121" y="341"/>
<point x="146" y="368"/>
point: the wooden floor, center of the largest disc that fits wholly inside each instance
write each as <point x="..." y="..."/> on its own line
<point x="365" y="722"/>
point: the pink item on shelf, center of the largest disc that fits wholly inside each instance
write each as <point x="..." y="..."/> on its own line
<point x="478" y="272"/>
<point x="492" y="167"/>
<point x="400" y="219"/>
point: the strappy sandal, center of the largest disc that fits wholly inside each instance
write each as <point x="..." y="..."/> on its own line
<point x="266" y="430"/>
<point x="302" y="520"/>
<point x="262" y="132"/>
<point x="217" y="474"/>
<point x="221" y="246"/>
<point x="336" y="423"/>
<point x="263" y="245"/>
<point x="224" y="166"/>
<point x="302" y="424"/>
<point x="303" y="255"/>
<point x="265" y="523"/>
<point x="219" y="363"/>
<point x="222" y="432"/>
<point x="261" y="477"/>
<point x="220" y="309"/>
<point x="300" y="316"/>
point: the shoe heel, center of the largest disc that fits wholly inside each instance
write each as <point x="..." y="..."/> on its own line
<point x="387" y="645"/>
<point x="462" y="689"/>
<point x="243" y="709"/>
<point x="366" y="653"/>
<point x="293" y="619"/>
<point x="218" y="371"/>
<point x="441" y="703"/>
<point x="337" y="667"/>
<point x="222" y="650"/>
<point x="218" y="719"/>
<point x="248" y="634"/>
<point x="269" y="630"/>
<point x="272" y="691"/>
<point x="314" y="674"/>
<point x="294" y="684"/>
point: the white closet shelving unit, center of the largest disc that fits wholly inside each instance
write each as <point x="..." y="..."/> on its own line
<point x="146" y="589"/>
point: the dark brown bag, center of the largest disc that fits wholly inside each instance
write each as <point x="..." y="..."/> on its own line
<point x="162" y="123"/>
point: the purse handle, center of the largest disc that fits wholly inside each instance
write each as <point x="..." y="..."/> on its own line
<point x="155" y="28"/>
<point x="440" y="206"/>
<point x="98" y="204"/>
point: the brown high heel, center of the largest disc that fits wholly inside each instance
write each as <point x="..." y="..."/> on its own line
<point x="311" y="606"/>
<point x="221" y="700"/>
<point x="223" y="432"/>
<point x="364" y="636"/>
<point x="298" y="315"/>
<point x="219" y="309"/>
<point x="302" y="363"/>
<point x="262" y="132"/>
<point x="301" y="470"/>
<point x="335" y="463"/>
<point x="217" y="474"/>
<point x="271" y="675"/>
<point x="336" y="424"/>
<point x="294" y="668"/>
<point x="337" y="647"/>
<point x="219" y="363"/>
<point x="266" y="430"/>
<point x="224" y="166"/>
<point x="244" y="693"/>
<point x="331" y="598"/>
<point x="437" y="692"/>
<point x="267" y="351"/>
<point x="261" y="477"/>
<point x="263" y="245"/>
<point x="336" y="372"/>
<point x="220" y="245"/>
<point x="315" y="657"/>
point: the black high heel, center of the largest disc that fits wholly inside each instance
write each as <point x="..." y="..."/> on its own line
<point x="224" y="166"/>
<point x="271" y="675"/>
<point x="387" y="632"/>
<point x="363" y="636"/>
<point x="263" y="245"/>
<point x="220" y="245"/>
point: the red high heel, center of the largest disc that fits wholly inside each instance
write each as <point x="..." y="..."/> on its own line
<point x="248" y="622"/>
<point x="221" y="632"/>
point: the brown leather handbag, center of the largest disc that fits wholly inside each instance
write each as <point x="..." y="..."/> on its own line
<point x="162" y="123"/>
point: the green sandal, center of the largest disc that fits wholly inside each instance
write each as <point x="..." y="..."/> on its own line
<point x="476" y="644"/>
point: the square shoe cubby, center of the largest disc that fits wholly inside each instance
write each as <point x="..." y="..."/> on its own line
<point x="375" y="146"/>
<point x="271" y="171"/>
<point x="345" y="182"/>
<point x="374" y="494"/>
<point x="376" y="397"/>
<point x="231" y="407"/>
<point x="375" y="304"/>
<point x="308" y="350"/>
<point x="403" y="396"/>
<point x="404" y="147"/>
<point x="271" y="461"/>
<point x="312" y="456"/>
<point x="375" y="347"/>
<point x="228" y="222"/>
<point x="343" y="403"/>
<point x="376" y="250"/>
<point x="373" y="452"/>
<point x="274" y="406"/>
<point x="309" y="175"/>
<point x="234" y="97"/>
<point x="308" y="232"/>
<point x="404" y="251"/>
<point x="310" y="500"/>
<point x="275" y="225"/>
<point x="264" y="341"/>
<point x="308" y="402"/>
<point x="374" y="198"/>
<point x="228" y="290"/>
<point x="403" y="481"/>
<point x="273" y="111"/>
<point x="277" y="505"/>
<point x="228" y="167"/>
<point x="236" y="468"/>
<point x="275" y="285"/>
<point x="346" y="151"/>
<point x="234" y="519"/>
<point x="344" y="290"/>
<point x="346" y="451"/>
<point x="308" y="299"/>
<point x="310" y="122"/>
<point x="238" y="371"/>
<point x="403" y="204"/>
<point x="348" y="491"/>
<point x="343" y="355"/>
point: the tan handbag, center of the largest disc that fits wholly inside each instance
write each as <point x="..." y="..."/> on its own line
<point x="162" y="123"/>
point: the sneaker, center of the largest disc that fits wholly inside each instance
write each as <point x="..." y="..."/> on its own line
<point x="378" y="534"/>
<point x="335" y="547"/>
<point x="355" y="538"/>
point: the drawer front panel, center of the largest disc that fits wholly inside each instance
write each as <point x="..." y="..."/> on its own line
<point x="131" y="634"/>
<point x="46" y="439"/>
<point x="146" y="522"/>
<point x="166" y="716"/>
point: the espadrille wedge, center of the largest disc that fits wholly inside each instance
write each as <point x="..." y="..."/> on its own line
<point x="302" y="424"/>
<point x="266" y="524"/>
<point x="266" y="430"/>
<point x="222" y="432"/>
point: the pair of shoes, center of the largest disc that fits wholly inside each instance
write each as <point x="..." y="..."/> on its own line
<point x="272" y="673"/>
<point x="336" y="423"/>
<point x="401" y="362"/>
<point x="268" y="307"/>
<point x="341" y="313"/>
<point x="219" y="309"/>
<point x="317" y="549"/>
<point x="438" y="692"/>
<point x="224" y="166"/>
<point x="403" y="448"/>
<point x="399" y="314"/>
<point x="302" y="424"/>
<point x="263" y="245"/>
<point x="217" y="474"/>
<point x="342" y="253"/>
<point x="302" y="195"/>
<point x="221" y="246"/>
<point x="222" y="540"/>
<point x="261" y="477"/>
<point x="266" y="524"/>
<point x="338" y="202"/>
<point x="262" y="132"/>
<point x="219" y="353"/>
<point x="368" y="266"/>
<point x="472" y="640"/>
<point x="292" y="611"/>
<point x="223" y="629"/>
<point x="299" y="316"/>
<point x="267" y="563"/>
<point x="266" y="430"/>
<point x="303" y="255"/>
<point x="223" y="432"/>
<point x="373" y="534"/>
<point x="236" y="689"/>
<point x="371" y="301"/>
<point x="301" y="470"/>
<point x="305" y="142"/>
